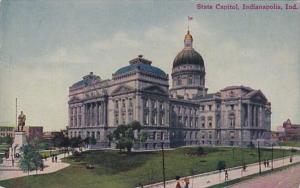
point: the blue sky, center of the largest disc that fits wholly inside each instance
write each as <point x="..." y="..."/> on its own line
<point x="45" y="46"/>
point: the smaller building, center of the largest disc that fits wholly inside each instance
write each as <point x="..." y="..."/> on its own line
<point x="7" y="131"/>
<point x="289" y="131"/>
<point x="34" y="132"/>
<point x="49" y="135"/>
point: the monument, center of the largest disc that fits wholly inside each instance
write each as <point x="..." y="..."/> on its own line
<point x="19" y="141"/>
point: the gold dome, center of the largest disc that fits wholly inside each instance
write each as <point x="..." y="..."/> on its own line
<point x="188" y="36"/>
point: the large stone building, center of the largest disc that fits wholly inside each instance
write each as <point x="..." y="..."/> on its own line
<point x="183" y="114"/>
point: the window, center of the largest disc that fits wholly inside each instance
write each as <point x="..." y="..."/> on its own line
<point x="123" y="103"/>
<point x="130" y="102"/>
<point x="190" y="80"/>
<point x="179" y="82"/>
<point x="123" y="118"/>
<point x="202" y="108"/>
<point x="117" y="119"/>
<point x="203" y="121"/>
<point x="146" y="118"/>
<point x="191" y="122"/>
<point x="209" y="119"/>
<point x="196" y="122"/>
<point x="185" y="121"/>
<point x="130" y="116"/>
<point x="231" y="120"/>
<point x="209" y="107"/>
<point x="232" y="107"/>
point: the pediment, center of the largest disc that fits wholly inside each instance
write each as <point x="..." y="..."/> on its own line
<point x="257" y="95"/>
<point x="155" y="89"/>
<point x="74" y="100"/>
<point x="122" y="90"/>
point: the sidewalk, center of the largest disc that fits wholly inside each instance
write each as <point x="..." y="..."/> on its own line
<point x="213" y="178"/>
<point x="13" y="172"/>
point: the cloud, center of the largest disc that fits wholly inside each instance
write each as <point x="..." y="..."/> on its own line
<point x="67" y="55"/>
<point x="118" y="41"/>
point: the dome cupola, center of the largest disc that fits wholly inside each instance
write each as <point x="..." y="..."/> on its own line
<point x="188" y="72"/>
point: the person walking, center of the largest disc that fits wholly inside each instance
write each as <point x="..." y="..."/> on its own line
<point x="226" y="175"/>
<point x="56" y="158"/>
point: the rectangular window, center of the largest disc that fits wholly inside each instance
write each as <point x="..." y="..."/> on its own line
<point x="123" y="103"/>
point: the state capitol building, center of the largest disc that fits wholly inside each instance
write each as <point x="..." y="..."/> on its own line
<point x="178" y="115"/>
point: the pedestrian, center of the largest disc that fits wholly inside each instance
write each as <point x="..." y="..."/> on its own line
<point x="244" y="166"/>
<point x="42" y="166"/>
<point x="265" y="163"/>
<point x="291" y="159"/>
<point x="178" y="182"/>
<point x="56" y="158"/>
<point x="268" y="163"/>
<point x="52" y="158"/>
<point x="226" y="175"/>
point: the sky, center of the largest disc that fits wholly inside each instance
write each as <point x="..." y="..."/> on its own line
<point x="46" y="46"/>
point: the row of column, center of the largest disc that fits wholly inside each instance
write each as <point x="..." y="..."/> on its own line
<point x="89" y="114"/>
<point x="161" y="114"/>
<point x="256" y="115"/>
<point x="95" y="113"/>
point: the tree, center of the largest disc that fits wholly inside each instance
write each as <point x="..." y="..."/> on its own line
<point x="31" y="159"/>
<point x="221" y="165"/>
<point x="90" y="140"/>
<point x="75" y="142"/>
<point x="125" y="136"/>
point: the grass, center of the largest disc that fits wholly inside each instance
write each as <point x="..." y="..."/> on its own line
<point x="290" y="143"/>
<point x="121" y="170"/>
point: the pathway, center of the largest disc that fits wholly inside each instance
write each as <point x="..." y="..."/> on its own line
<point x="213" y="178"/>
<point x="50" y="167"/>
<point x="288" y="178"/>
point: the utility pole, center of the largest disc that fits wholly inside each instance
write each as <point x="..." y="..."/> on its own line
<point x="16" y="112"/>
<point x="272" y="156"/>
<point x="163" y="163"/>
<point x="258" y="150"/>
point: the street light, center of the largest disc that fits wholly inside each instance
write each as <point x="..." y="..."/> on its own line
<point x="272" y="156"/>
<point x="163" y="163"/>
<point x="258" y="150"/>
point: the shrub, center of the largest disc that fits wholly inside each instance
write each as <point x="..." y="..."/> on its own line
<point x="200" y="151"/>
<point x="221" y="165"/>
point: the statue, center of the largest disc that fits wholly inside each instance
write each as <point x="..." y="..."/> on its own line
<point x="21" y="121"/>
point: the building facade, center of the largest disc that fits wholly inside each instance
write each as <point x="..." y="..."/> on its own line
<point x="288" y="131"/>
<point x="7" y="131"/>
<point x="183" y="114"/>
<point x="33" y="132"/>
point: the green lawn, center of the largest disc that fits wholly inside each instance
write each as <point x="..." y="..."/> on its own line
<point x="121" y="170"/>
<point x="290" y="143"/>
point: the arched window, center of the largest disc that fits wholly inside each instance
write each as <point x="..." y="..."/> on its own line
<point x="98" y="135"/>
<point x="231" y="119"/>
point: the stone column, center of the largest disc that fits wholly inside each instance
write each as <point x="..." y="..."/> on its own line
<point x="249" y="114"/>
<point x="167" y="115"/>
<point x="158" y="113"/>
<point x="97" y="114"/>
<point x="105" y="114"/>
<point x="70" y="116"/>
<point x="150" y="112"/>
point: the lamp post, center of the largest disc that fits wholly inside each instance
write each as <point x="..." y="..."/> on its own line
<point x="258" y="150"/>
<point x="272" y="156"/>
<point x="163" y="163"/>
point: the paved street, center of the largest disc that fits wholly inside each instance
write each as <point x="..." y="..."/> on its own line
<point x="288" y="178"/>
<point x="8" y="172"/>
<point x="213" y="178"/>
